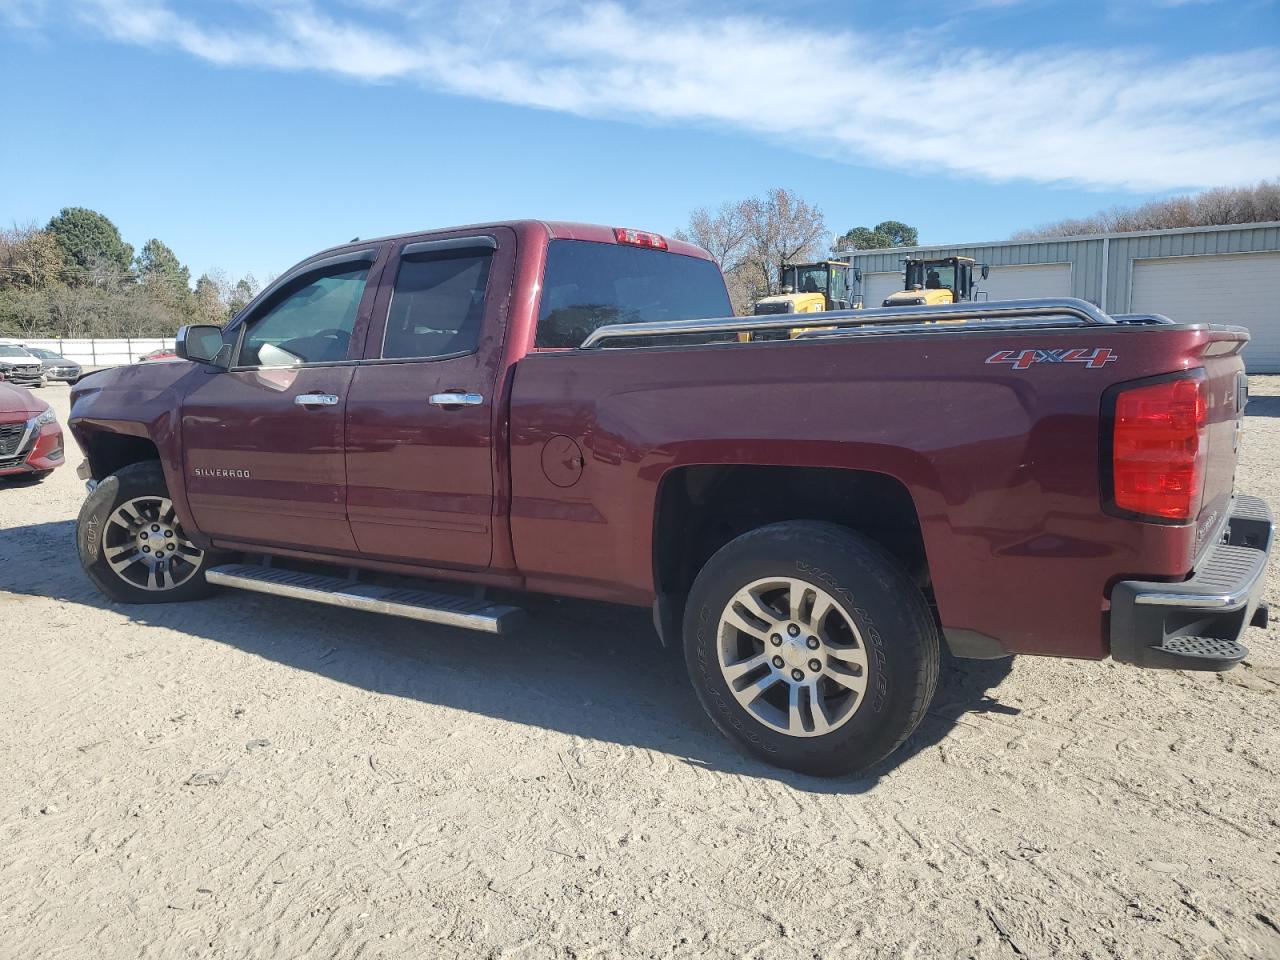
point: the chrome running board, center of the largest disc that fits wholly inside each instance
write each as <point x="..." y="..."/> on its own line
<point x="442" y="608"/>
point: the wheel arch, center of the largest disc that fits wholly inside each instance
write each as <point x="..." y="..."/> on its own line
<point x="700" y="508"/>
<point x="109" y="451"/>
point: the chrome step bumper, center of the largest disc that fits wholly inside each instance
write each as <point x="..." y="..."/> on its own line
<point x="442" y="608"/>
<point x="1195" y="624"/>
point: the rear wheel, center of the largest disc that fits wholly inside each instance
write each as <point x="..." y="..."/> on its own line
<point x="809" y="646"/>
<point x="131" y="543"/>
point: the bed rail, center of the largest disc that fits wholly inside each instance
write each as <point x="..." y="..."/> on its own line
<point x="1002" y="313"/>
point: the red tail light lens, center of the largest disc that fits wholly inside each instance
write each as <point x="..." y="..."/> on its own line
<point x="1159" y="449"/>
<point x="639" y="238"/>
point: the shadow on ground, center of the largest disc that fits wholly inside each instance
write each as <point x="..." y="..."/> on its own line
<point x="1263" y="406"/>
<point x="586" y="669"/>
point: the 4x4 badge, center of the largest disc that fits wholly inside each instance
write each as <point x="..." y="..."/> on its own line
<point x="1021" y="359"/>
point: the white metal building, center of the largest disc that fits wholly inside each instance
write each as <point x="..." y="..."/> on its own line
<point x="1228" y="274"/>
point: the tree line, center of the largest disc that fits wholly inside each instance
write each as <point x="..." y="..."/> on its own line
<point x="77" y="277"/>
<point x="1212" y="208"/>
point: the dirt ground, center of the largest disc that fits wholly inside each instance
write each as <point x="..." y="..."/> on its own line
<point x="252" y="776"/>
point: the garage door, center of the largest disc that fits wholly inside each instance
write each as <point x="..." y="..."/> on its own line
<point x="1237" y="288"/>
<point x="1028" y="282"/>
<point x="1004" y="283"/>
<point x="877" y="286"/>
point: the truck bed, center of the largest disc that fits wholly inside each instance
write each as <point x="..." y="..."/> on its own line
<point x="993" y="431"/>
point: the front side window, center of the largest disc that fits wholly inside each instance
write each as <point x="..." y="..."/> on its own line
<point x="310" y="322"/>
<point x="587" y="285"/>
<point x="437" y="304"/>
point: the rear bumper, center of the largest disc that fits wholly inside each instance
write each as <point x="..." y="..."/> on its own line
<point x="1195" y="624"/>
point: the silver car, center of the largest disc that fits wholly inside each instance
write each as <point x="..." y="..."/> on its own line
<point x="57" y="368"/>
<point x="20" y="367"/>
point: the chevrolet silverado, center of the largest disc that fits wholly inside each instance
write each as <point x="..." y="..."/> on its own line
<point x="570" y="409"/>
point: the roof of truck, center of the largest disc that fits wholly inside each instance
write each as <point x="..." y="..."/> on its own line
<point x="557" y="229"/>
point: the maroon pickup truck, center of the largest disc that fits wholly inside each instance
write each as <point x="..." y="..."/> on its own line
<point x="544" y="407"/>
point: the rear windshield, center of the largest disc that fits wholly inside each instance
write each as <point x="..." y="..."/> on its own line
<point x="588" y="285"/>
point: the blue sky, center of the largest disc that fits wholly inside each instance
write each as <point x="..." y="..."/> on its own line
<point x="246" y="135"/>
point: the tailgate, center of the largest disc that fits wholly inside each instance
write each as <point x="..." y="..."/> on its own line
<point x="1227" y="392"/>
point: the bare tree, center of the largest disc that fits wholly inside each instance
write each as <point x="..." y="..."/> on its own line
<point x="1221" y="206"/>
<point x="752" y="238"/>
<point x="722" y="234"/>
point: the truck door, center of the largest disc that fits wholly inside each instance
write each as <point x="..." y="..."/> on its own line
<point x="420" y="414"/>
<point x="263" y="442"/>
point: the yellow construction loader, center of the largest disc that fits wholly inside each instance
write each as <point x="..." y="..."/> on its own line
<point x="944" y="280"/>
<point x="808" y="288"/>
<point x="811" y="288"/>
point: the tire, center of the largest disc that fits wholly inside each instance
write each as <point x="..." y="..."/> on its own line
<point x="863" y="661"/>
<point x="112" y="553"/>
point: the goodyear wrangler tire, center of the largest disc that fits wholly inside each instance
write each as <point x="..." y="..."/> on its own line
<point x="810" y="647"/>
<point x="131" y="544"/>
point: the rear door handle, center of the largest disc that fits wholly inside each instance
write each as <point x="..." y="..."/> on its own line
<point x="457" y="399"/>
<point x="316" y="400"/>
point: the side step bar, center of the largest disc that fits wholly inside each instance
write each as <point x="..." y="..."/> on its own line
<point x="442" y="608"/>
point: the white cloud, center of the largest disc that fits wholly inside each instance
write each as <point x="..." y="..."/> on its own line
<point x="1103" y="118"/>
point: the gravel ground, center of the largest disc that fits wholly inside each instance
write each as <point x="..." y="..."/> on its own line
<point x="251" y="776"/>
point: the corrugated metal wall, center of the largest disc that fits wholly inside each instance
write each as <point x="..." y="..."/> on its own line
<point x="1088" y="254"/>
<point x="1127" y="248"/>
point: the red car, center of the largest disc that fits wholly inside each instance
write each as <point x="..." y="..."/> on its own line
<point x="545" y="407"/>
<point x="30" y="438"/>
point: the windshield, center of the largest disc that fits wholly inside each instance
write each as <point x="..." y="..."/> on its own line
<point x="812" y="279"/>
<point x="938" y="275"/>
<point x="43" y="354"/>
<point x="9" y="350"/>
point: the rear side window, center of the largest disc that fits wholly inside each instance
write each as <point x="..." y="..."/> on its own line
<point x="437" y="304"/>
<point x="587" y="285"/>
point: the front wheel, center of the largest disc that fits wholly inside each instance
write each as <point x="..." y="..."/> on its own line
<point x="131" y="544"/>
<point x="810" y="647"/>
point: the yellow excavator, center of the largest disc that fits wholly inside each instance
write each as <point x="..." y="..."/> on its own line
<point x="944" y="280"/>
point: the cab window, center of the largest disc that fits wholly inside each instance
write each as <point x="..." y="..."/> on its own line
<point x="587" y="285"/>
<point x="310" y="321"/>
<point x="437" y="305"/>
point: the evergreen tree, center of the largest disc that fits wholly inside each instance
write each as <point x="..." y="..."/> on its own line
<point x="91" y="245"/>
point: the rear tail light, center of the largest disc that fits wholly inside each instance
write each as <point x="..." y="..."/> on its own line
<point x="639" y="238"/>
<point x="1159" y="449"/>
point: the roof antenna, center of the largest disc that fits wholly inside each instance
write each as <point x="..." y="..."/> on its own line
<point x="353" y="240"/>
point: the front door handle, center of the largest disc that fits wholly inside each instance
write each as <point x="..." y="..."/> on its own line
<point x="316" y="400"/>
<point x="457" y="399"/>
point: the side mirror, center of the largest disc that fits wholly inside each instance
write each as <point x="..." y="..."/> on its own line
<point x="986" y="269"/>
<point x="202" y="343"/>
<point x="857" y="274"/>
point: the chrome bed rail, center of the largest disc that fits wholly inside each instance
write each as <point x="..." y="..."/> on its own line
<point x="1002" y="313"/>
